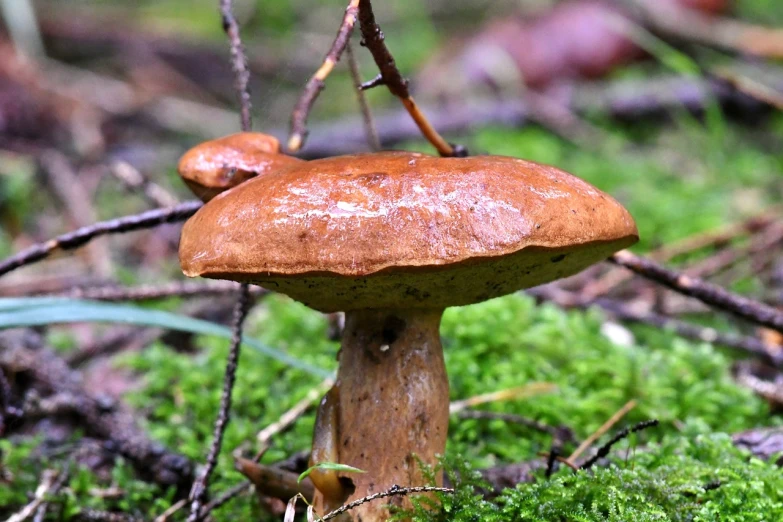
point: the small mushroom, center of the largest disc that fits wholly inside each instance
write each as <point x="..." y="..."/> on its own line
<point x="215" y="166"/>
<point x="392" y="239"/>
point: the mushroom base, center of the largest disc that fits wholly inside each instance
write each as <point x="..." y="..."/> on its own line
<point x="388" y="411"/>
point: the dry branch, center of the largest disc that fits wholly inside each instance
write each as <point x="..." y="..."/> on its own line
<point x="238" y="62"/>
<point x="82" y="236"/>
<point x="748" y="309"/>
<point x="373" y="39"/>
<point x="198" y="492"/>
<point x="316" y="83"/>
<point x="23" y="351"/>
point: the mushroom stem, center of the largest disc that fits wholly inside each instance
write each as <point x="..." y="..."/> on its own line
<point x="388" y="411"/>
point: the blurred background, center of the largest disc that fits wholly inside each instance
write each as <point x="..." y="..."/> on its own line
<point x="672" y="106"/>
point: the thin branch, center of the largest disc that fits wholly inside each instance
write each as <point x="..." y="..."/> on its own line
<point x="725" y="33"/>
<point x="373" y="39"/>
<point x="316" y="83"/>
<point x="51" y="481"/>
<point x="603" y="451"/>
<point x="96" y="515"/>
<point x="391" y="492"/>
<point x="116" y="426"/>
<point x="238" y="62"/>
<point x="518" y="392"/>
<point x="224" y="498"/>
<point x="290" y="416"/>
<point x="199" y="491"/>
<point x="369" y="123"/>
<point x="748" y="309"/>
<point x="694" y="332"/>
<point x="606" y="426"/>
<point x="559" y="432"/>
<point x="134" y="180"/>
<point x="81" y="236"/>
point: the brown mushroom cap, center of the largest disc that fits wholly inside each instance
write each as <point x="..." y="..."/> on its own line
<point x="400" y="230"/>
<point x="217" y="165"/>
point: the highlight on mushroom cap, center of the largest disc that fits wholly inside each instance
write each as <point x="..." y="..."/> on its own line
<point x="401" y="229"/>
<point x="217" y="165"/>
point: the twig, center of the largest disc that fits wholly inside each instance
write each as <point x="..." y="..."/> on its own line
<point x="199" y="491"/>
<point x="603" y="451"/>
<point x="695" y="332"/>
<point x="627" y="99"/>
<point x="554" y="452"/>
<point x="316" y="83"/>
<point x="24" y="352"/>
<point x="288" y="418"/>
<point x="558" y="432"/>
<point x="373" y="39"/>
<point x="748" y="309"/>
<point x="533" y="388"/>
<point x="163" y="291"/>
<point x="628" y="406"/>
<point x="224" y="498"/>
<point x="130" y="176"/>
<point x="163" y="517"/>
<point x="51" y="481"/>
<point x="770" y="390"/>
<point x="369" y="123"/>
<point x="715" y="31"/>
<point x="96" y="515"/>
<point x="392" y="491"/>
<point x="238" y="62"/>
<point x="81" y="236"/>
<point x="65" y="184"/>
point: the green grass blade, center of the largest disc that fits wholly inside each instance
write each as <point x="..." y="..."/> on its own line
<point x="38" y="311"/>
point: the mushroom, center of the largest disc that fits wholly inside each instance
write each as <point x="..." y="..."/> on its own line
<point x="215" y="166"/>
<point x="392" y="239"/>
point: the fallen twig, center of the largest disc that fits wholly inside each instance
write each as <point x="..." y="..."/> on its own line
<point x="603" y="451"/>
<point x="23" y="351"/>
<point x="51" y="481"/>
<point x="748" y="309"/>
<point x="134" y="180"/>
<point x="289" y="417"/>
<point x="561" y="433"/>
<point x="519" y="392"/>
<point x="391" y="492"/>
<point x="606" y="426"/>
<point x="81" y="236"/>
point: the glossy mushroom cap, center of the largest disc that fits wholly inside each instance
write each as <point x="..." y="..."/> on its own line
<point x="215" y="166"/>
<point x="404" y="230"/>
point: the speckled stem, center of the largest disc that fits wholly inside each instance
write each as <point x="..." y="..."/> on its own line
<point x="389" y="408"/>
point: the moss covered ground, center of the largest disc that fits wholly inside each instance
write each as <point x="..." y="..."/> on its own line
<point x="677" y="179"/>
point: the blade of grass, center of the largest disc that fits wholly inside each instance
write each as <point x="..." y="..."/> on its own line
<point x="41" y="311"/>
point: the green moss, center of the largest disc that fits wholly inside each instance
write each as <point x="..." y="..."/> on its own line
<point x="508" y="342"/>
<point x="684" y="479"/>
<point x="500" y="344"/>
